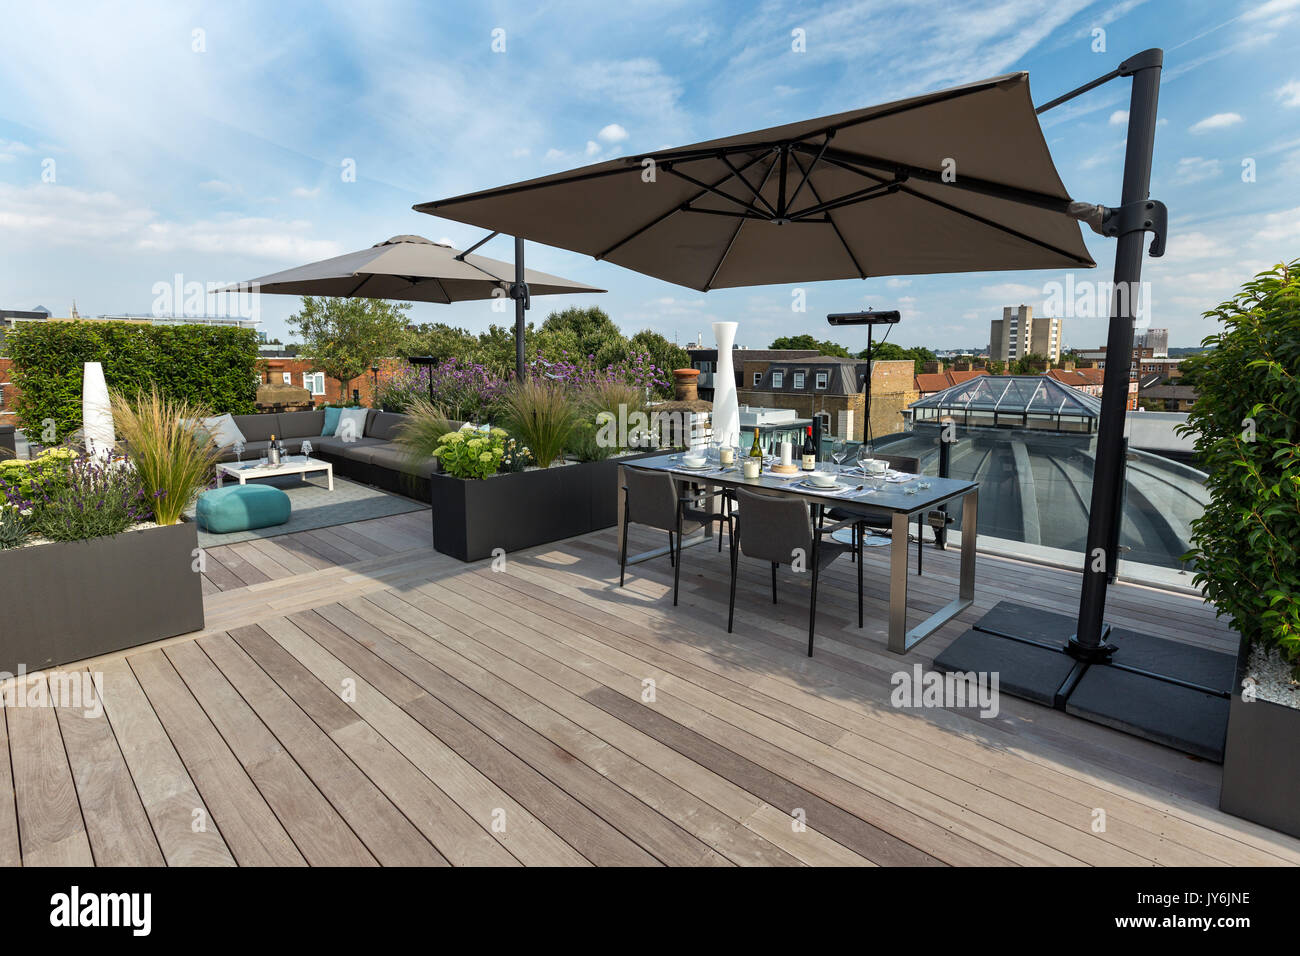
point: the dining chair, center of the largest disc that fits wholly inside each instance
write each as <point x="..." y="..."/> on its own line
<point x="652" y="499"/>
<point x="885" y="522"/>
<point x="778" y="529"/>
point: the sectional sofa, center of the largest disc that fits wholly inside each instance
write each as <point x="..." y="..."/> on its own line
<point x="374" y="458"/>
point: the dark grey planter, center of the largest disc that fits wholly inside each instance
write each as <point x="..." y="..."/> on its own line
<point x="1261" y="760"/>
<point x="71" y="600"/>
<point x="471" y="519"/>
<point x="8" y="442"/>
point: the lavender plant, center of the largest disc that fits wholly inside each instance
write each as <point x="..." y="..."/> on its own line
<point x="13" y="527"/>
<point x="465" y="391"/>
<point x="94" y="499"/>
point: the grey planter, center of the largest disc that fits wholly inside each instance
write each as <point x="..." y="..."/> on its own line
<point x="1261" y="760"/>
<point x="471" y="519"/>
<point x="8" y="442"/>
<point x="71" y="600"/>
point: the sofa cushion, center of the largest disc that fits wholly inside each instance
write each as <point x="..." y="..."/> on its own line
<point x="301" y="424"/>
<point x="384" y="425"/>
<point x="224" y="430"/>
<point x="331" y="445"/>
<point x="241" y="508"/>
<point x="258" y="427"/>
<point x="352" y="423"/>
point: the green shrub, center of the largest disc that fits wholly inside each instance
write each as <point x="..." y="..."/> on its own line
<point x="212" y="366"/>
<point x="95" y="499"/>
<point x="1246" y="422"/>
<point x="169" y="449"/>
<point x="18" y="477"/>
<point x="471" y="453"/>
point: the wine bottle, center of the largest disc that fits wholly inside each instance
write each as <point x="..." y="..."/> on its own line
<point x="756" y="452"/>
<point x="809" y="452"/>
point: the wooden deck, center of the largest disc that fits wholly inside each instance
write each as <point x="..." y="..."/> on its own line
<point x="359" y="699"/>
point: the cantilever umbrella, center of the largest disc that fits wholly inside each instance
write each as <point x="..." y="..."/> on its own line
<point x="955" y="181"/>
<point x="416" y="269"/>
<point x="408" y="268"/>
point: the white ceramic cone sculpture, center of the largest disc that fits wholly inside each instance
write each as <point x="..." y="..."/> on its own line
<point x="726" y="406"/>
<point x="96" y="412"/>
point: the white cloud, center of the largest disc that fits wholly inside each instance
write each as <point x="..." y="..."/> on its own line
<point x="1194" y="169"/>
<point x="49" y="214"/>
<point x="11" y="149"/>
<point x="613" y="133"/>
<point x="218" y="187"/>
<point x="1281" y="227"/>
<point x="1119" y="118"/>
<point x="302" y="192"/>
<point x="519" y="152"/>
<point x="593" y="147"/>
<point x="1288" y="94"/>
<point x="1276" y="12"/>
<point x="1217" y="121"/>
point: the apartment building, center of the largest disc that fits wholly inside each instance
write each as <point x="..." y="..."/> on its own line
<point x="1018" y="333"/>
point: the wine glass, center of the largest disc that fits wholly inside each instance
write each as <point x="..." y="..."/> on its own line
<point x="306" y="449"/>
<point x="239" y="452"/>
<point x="838" y="451"/>
<point x="863" y="456"/>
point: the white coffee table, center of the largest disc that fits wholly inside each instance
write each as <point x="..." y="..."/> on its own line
<point x="289" y="465"/>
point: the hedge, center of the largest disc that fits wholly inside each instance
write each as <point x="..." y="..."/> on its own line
<point x="214" y="366"/>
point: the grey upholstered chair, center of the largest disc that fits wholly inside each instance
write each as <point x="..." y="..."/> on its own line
<point x="884" y="522"/>
<point x="652" y="499"/>
<point x="778" y="529"/>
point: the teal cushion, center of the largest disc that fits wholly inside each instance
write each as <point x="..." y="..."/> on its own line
<point x="331" y="421"/>
<point x="241" y="508"/>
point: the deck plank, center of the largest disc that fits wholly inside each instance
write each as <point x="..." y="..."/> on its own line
<point x="10" y="849"/>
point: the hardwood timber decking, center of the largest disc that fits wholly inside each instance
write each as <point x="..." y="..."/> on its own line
<point x="360" y="699"/>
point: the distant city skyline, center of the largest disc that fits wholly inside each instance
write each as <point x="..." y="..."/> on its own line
<point x="179" y="143"/>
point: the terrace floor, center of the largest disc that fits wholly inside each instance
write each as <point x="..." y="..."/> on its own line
<point x="359" y="699"/>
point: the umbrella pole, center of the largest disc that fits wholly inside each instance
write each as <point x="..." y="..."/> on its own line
<point x="519" y="292"/>
<point x="1089" y="641"/>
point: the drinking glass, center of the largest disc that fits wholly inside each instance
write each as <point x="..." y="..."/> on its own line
<point x="306" y="449"/>
<point x="838" y="451"/>
<point x="863" y="456"/>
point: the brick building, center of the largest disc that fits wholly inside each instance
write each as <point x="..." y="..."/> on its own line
<point x="831" y="389"/>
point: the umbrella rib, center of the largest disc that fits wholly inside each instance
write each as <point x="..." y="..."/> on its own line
<point x="862" y="273"/>
<point x="660" y="218"/>
<point x="748" y="207"/>
<point x="740" y="225"/>
<point x="961" y="212"/>
<point x="758" y="193"/>
<point x="811" y="166"/>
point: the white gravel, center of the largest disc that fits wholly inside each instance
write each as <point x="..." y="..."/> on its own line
<point x="1272" y="676"/>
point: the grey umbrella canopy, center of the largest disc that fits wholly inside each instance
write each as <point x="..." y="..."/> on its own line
<point x="409" y="268"/>
<point x="955" y="181"/>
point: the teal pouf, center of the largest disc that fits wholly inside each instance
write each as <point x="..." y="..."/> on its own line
<point x="241" y="508"/>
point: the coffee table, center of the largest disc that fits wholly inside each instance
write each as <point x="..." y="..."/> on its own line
<point x="289" y="465"/>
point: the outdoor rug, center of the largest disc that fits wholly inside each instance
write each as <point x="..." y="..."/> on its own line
<point x="314" y="506"/>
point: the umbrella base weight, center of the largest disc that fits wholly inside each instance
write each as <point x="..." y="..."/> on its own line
<point x="1171" y="693"/>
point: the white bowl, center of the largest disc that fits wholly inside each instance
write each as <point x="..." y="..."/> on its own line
<point x="823" y="479"/>
<point x="694" y="461"/>
<point x="875" y="466"/>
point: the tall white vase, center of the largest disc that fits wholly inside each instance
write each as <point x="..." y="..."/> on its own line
<point x="96" y="412"/>
<point x="726" y="406"/>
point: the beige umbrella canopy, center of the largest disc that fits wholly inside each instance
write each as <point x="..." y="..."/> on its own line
<point x="409" y="268"/>
<point x="955" y="181"/>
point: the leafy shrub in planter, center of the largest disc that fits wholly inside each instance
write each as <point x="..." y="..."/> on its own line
<point x="17" y="476"/>
<point x="470" y="453"/>
<point x="1246" y="421"/>
<point x="204" y="365"/>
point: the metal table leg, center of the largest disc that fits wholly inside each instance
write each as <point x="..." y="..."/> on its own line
<point x="902" y="640"/>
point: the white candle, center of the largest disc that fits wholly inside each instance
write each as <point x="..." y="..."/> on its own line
<point x="787" y="453"/>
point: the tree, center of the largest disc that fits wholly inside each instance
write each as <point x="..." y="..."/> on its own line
<point x="1025" y="365"/>
<point x="347" y="336"/>
<point x="806" y="341"/>
<point x="1246" y="423"/>
<point x="890" y="352"/>
<point x="582" y="331"/>
<point x="440" y="340"/>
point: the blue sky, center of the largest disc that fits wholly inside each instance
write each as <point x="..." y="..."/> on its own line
<point x="207" y="140"/>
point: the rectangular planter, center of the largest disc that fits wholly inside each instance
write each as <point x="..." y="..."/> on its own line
<point x="473" y="518"/>
<point x="71" y="600"/>
<point x="8" y="442"/>
<point x="1261" y="760"/>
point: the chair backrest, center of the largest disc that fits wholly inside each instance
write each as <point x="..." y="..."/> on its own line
<point x="651" y="498"/>
<point x="902" y="463"/>
<point x="774" y="527"/>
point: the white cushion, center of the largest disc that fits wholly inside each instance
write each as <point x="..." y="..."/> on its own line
<point x="352" y="424"/>
<point x="223" y="430"/>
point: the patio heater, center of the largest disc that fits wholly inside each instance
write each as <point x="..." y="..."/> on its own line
<point x="870" y="318"/>
<point x="1166" y="691"/>
<point x="428" y="361"/>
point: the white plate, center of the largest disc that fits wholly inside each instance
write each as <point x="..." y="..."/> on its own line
<point x="837" y="486"/>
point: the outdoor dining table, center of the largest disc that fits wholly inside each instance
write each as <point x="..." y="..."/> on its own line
<point x="892" y="500"/>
